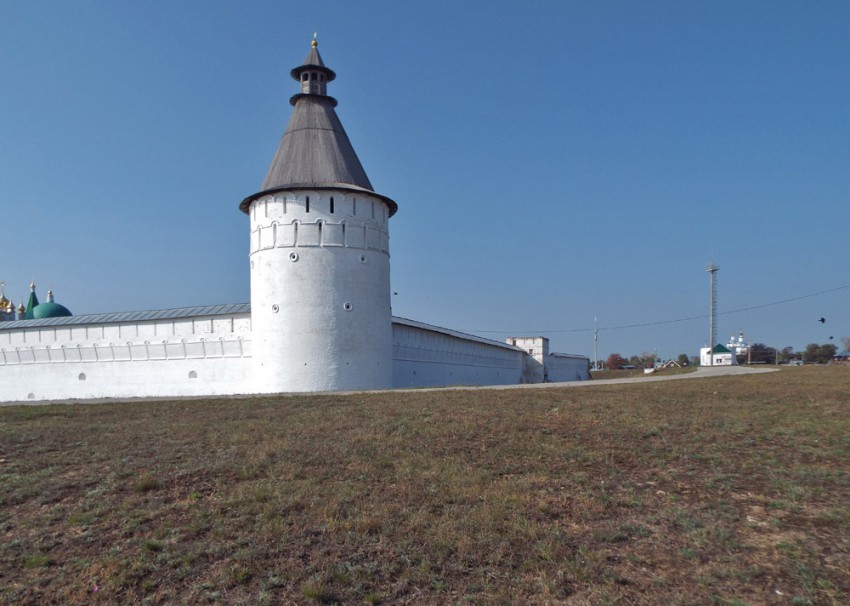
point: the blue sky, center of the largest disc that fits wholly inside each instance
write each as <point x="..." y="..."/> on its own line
<point x="552" y="161"/>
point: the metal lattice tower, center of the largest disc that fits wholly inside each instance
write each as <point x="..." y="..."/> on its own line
<point x="712" y="269"/>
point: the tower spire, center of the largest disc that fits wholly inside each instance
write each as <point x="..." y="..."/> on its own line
<point x="315" y="151"/>
<point x="313" y="74"/>
<point x="31" y="302"/>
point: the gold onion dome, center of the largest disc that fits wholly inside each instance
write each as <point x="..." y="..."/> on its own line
<point x="5" y="304"/>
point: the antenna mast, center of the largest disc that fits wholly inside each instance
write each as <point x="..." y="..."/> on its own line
<point x="712" y="269"/>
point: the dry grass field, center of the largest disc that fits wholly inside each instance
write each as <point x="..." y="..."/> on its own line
<point x="725" y="490"/>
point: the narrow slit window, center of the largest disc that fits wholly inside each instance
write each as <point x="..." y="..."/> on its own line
<point x="307" y="205"/>
<point x="332" y="204"/>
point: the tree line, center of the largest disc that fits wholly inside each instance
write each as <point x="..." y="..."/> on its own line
<point x="759" y="353"/>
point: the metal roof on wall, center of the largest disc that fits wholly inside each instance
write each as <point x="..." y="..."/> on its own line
<point x="208" y="311"/>
<point x="133" y="316"/>
<point x="454" y="333"/>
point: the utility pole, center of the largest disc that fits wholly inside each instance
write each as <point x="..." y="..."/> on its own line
<point x="595" y="345"/>
<point x="712" y="269"/>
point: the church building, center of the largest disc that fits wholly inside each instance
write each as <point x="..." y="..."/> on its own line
<point x="319" y="317"/>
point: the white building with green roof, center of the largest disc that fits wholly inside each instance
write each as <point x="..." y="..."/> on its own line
<point x="718" y="356"/>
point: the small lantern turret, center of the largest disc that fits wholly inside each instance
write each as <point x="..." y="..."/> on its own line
<point x="313" y="75"/>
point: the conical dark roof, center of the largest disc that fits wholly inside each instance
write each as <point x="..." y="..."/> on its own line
<point x="315" y="152"/>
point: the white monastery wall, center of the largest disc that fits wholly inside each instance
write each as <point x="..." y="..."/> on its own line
<point x="200" y="356"/>
<point x="542" y="366"/>
<point x="320" y="291"/>
<point x="158" y="358"/>
<point x="566" y="367"/>
<point x="537" y="349"/>
<point x="429" y="356"/>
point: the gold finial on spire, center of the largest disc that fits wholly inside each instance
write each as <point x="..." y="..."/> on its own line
<point x="315" y="42"/>
<point x="32" y="286"/>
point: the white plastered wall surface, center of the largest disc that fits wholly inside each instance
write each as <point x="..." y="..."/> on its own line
<point x="320" y="291"/>
<point x="155" y="358"/>
<point x="430" y="356"/>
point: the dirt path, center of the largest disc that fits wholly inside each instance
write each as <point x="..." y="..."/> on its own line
<point x="700" y="373"/>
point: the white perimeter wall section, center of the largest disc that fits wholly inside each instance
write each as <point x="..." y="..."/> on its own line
<point x="566" y="367"/>
<point x="190" y="356"/>
<point x="208" y="355"/>
<point x="429" y="356"/>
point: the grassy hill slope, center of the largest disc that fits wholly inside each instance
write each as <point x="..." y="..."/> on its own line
<point x="729" y="490"/>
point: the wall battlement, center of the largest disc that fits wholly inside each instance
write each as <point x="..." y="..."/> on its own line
<point x="145" y="351"/>
<point x="319" y="220"/>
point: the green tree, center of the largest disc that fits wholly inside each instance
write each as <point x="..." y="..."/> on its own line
<point x="649" y="359"/>
<point x="787" y="354"/>
<point x="759" y="354"/>
<point x="644" y="360"/>
<point x="820" y="354"/>
<point x="683" y="359"/>
<point x="810" y="354"/>
<point x="826" y="352"/>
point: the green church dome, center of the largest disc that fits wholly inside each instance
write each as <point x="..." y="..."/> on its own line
<point x="49" y="309"/>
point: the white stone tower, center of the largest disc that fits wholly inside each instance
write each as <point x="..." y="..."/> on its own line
<point x="320" y="270"/>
